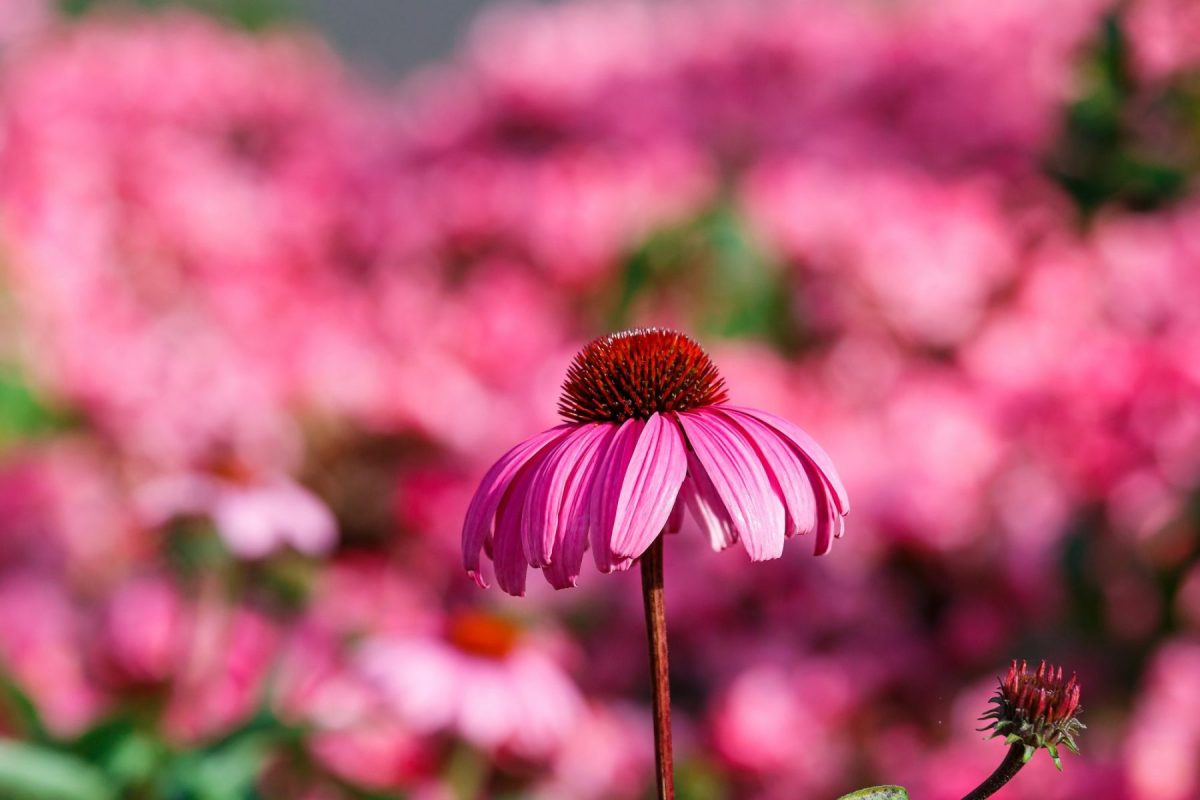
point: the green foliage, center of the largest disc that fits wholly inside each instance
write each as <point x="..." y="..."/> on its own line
<point x="33" y="772"/>
<point x="731" y="285"/>
<point x="19" y="711"/>
<point x="251" y="14"/>
<point x="228" y="772"/>
<point x="23" y="413"/>
<point x="697" y="780"/>
<point x="1104" y="156"/>
<point x="877" y="793"/>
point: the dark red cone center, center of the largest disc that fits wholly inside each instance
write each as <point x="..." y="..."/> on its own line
<point x="634" y="374"/>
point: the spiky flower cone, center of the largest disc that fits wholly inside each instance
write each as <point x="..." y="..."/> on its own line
<point x="1037" y="709"/>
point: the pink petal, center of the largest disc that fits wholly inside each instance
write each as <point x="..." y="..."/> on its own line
<point x="543" y="503"/>
<point x="508" y="554"/>
<point x="477" y="527"/>
<point x="701" y="498"/>
<point x="786" y="469"/>
<point x="809" y="447"/>
<point x="740" y="480"/>
<point x="606" y="493"/>
<point x="675" y="521"/>
<point x="573" y="514"/>
<point x="830" y="523"/>
<point x="651" y="484"/>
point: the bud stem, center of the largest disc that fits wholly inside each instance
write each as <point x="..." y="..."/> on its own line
<point x="656" y="630"/>
<point x="1009" y="767"/>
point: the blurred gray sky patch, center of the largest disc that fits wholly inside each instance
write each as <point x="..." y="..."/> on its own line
<point x="390" y="37"/>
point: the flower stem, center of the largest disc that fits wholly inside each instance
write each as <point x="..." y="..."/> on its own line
<point x="656" y="630"/>
<point x="1010" y="766"/>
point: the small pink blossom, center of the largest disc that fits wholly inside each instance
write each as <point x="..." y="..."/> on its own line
<point x="254" y="516"/>
<point x="483" y="682"/>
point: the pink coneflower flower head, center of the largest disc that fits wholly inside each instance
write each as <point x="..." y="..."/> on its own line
<point x="483" y="680"/>
<point x="647" y="436"/>
<point x="1038" y="709"/>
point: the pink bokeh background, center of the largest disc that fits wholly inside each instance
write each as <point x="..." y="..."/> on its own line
<point x="264" y="324"/>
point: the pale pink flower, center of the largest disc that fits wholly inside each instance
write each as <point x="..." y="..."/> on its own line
<point x="648" y="436"/>
<point x="255" y="516"/>
<point x="482" y="681"/>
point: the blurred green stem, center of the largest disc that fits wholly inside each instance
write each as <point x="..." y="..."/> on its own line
<point x="467" y="773"/>
<point x="1009" y="767"/>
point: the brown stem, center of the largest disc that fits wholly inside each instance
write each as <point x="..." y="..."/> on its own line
<point x="1011" y="764"/>
<point x="656" y="630"/>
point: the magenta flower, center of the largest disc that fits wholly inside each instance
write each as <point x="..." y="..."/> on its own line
<point x="647" y="436"/>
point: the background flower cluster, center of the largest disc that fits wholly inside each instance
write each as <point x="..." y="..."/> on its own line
<point x="264" y="324"/>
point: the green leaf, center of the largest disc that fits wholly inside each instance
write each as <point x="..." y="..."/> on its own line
<point x="878" y="793"/>
<point x="127" y="753"/>
<point x="30" y="772"/>
<point x="228" y="772"/>
<point x="251" y="14"/>
<point x="19" y="710"/>
<point x="23" y="413"/>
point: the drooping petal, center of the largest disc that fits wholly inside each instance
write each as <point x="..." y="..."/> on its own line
<point x="830" y="522"/>
<point x="606" y="493"/>
<point x="740" y="480"/>
<point x="481" y="513"/>
<point x="508" y="550"/>
<point x="702" y="500"/>
<point x="574" y="514"/>
<point x="651" y="484"/>
<point x="543" y="503"/>
<point x="675" y="521"/>
<point x="811" y="450"/>
<point x="785" y="467"/>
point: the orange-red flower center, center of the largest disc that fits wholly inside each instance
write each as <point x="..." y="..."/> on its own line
<point x="634" y="374"/>
<point x="481" y="634"/>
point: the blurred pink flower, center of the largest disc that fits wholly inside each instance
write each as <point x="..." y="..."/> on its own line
<point x="20" y="19"/>
<point x="39" y="630"/>
<point x="648" y="436"/>
<point x="145" y="629"/>
<point x="355" y="735"/>
<point x="1164" y="37"/>
<point x="923" y="255"/>
<point x="255" y="516"/>
<point x="754" y="724"/>
<point x="1163" y="747"/>
<point x="483" y="681"/>
<point x="608" y="756"/>
<point x="175" y="205"/>
<point x="223" y="676"/>
<point x="359" y="594"/>
<point x="65" y="509"/>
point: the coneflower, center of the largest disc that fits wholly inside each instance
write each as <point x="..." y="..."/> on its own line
<point x="647" y="437"/>
<point x="1032" y="710"/>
